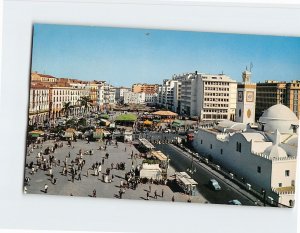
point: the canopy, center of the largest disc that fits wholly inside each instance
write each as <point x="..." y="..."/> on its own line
<point x="177" y="123"/>
<point x="147" y="122"/>
<point x="36" y="133"/>
<point x="104" y="116"/>
<point x="165" y="113"/>
<point x="70" y="130"/>
<point x="126" y="117"/>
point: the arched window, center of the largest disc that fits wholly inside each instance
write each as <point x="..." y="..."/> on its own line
<point x="240" y="112"/>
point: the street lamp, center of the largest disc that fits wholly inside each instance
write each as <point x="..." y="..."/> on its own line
<point x="263" y="192"/>
<point x="192" y="169"/>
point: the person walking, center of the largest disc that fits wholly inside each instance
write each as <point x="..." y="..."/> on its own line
<point x="79" y="176"/>
<point x="149" y="188"/>
<point x="155" y="194"/>
<point x="173" y="199"/>
<point x="46" y="188"/>
<point x="147" y="195"/>
<point x="120" y="193"/>
<point x="162" y="193"/>
<point x="94" y="193"/>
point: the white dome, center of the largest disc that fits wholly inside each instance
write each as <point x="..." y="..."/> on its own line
<point x="279" y="111"/>
<point x="279" y="117"/>
<point x="275" y="151"/>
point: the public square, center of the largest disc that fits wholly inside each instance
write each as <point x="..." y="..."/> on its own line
<point x="84" y="187"/>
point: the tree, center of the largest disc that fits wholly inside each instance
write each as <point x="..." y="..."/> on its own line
<point x="67" y="106"/>
<point x="85" y="101"/>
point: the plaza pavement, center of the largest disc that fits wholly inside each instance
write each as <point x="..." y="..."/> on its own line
<point x="85" y="186"/>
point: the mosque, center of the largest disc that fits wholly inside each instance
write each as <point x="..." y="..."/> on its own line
<point x="263" y="154"/>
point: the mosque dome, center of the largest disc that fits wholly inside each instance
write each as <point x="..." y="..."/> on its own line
<point x="275" y="151"/>
<point x="279" y="117"/>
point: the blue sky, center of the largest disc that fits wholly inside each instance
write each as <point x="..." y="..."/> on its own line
<point x="126" y="56"/>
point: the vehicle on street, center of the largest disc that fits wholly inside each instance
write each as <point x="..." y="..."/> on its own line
<point x="214" y="185"/>
<point x="234" y="202"/>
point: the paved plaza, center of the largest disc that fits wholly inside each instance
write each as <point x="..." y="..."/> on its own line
<point x="84" y="187"/>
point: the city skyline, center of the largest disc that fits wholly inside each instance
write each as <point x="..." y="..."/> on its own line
<point x="125" y="56"/>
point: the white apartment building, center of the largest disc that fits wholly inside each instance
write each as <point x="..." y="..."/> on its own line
<point x="61" y="95"/>
<point x="120" y="93"/>
<point x="169" y="94"/>
<point x="264" y="159"/>
<point x="134" y="98"/>
<point x="151" y="98"/>
<point x="38" y="105"/>
<point x="208" y="97"/>
<point x="107" y="96"/>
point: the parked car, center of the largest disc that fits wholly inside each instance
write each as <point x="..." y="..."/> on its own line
<point x="214" y="185"/>
<point x="234" y="202"/>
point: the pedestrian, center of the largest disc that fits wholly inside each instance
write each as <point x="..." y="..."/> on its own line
<point x="94" y="193"/>
<point x="54" y="181"/>
<point x="173" y="199"/>
<point x="69" y="154"/>
<point x="162" y="193"/>
<point x="121" y="184"/>
<point x="79" y="176"/>
<point x="102" y="160"/>
<point x="155" y="194"/>
<point x="46" y="188"/>
<point x="73" y="177"/>
<point x="112" y="178"/>
<point x="149" y="188"/>
<point x="147" y="195"/>
<point x="120" y="193"/>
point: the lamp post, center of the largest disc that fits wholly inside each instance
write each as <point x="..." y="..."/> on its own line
<point x="263" y="192"/>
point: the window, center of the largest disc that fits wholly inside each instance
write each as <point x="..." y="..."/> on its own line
<point x="259" y="169"/>
<point x="210" y="146"/>
<point x="280" y="185"/>
<point x="221" y="151"/>
<point x="287" y="172"/>
<point x="201" y="141"/>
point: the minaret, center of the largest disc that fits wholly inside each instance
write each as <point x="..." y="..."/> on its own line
<point x="246" y="98"/>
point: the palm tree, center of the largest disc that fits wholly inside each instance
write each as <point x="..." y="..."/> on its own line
<point x="85" y="101"/>
<point x="67" y="106"/>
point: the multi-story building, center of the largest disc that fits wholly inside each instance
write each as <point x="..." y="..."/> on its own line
<point x="120" y="93"/>
<point x="151" y="99"/>
<point x="264" y="159"/>
<point x="208" y="97"/>
<point x="64" y="94"/>
<point x="274" y="92"/>
<point x="144" y="87"/>
<point x="169" y="93"/>
<point x="134" y="98"/>
<point x="107" y="96"/>
<point x="38" y="104"/>
<point x="36" y="77"/>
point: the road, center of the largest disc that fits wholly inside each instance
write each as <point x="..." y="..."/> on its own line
<point x="181" y="163"/>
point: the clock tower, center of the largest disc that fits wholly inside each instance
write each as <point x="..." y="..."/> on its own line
<point x="246" y="98"/>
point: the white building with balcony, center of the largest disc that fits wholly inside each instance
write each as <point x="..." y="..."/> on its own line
<point x="134" y="98"/>
<point x="208" y="97"/>
<point x="38" y="105"/>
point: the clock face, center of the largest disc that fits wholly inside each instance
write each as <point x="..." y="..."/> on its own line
<point x="240" y="96"/>
<point x="248" y="113"/>
<point x="250" y="96"/>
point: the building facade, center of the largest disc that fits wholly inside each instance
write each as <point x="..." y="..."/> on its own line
<point x="274" y="92"/>
<point x="134" y="98"/>
<point x="144" y="87"/>
<point x="246" y="96"/>
<point x="38" y="105"/>
<point x="265" y="159"/>
<point x="208" y="97"/>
